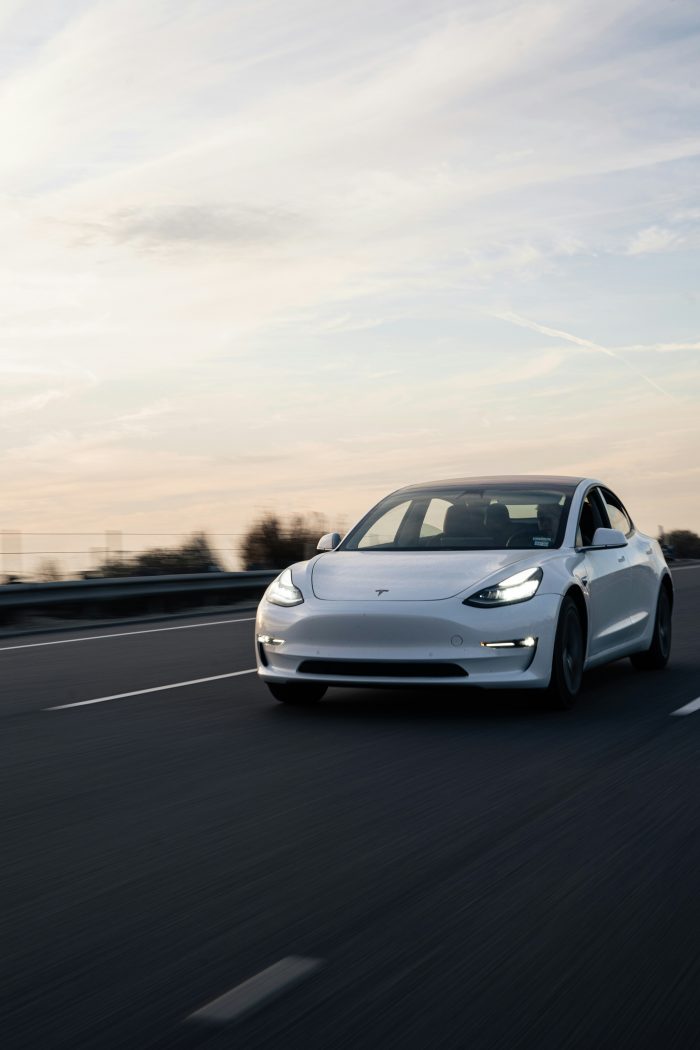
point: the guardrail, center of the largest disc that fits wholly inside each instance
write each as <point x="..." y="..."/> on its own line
<point x="133" y="595"/>
<point x="130" y="595"/>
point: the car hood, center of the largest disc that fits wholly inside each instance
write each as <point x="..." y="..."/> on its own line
<point x="357" y="576"/>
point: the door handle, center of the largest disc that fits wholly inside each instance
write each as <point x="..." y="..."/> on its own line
<point x="648" y="550"/>
<point x="621" y="558"/>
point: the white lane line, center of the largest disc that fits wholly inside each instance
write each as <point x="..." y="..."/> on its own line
<point x="684" y="568"/>
<point x="153" y="689"/>
<point x="694" y="705"/>
<point x="256" y="991"/>
<point x="124" y="634"/>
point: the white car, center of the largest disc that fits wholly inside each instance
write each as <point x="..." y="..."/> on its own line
<point x="497" y="582"/>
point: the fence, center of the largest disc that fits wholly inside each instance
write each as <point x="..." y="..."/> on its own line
<point x="53" y="556"/>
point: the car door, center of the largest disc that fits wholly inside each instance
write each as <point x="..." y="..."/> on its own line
<point x="641" y="580"/>
<point x="610" y="600"/>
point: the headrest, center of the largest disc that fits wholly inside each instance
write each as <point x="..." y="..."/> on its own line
<point x="463" y="521"/>
<point x="497" y="516"/>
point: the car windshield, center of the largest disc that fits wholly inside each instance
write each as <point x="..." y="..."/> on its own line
<point x="493" y="517"/>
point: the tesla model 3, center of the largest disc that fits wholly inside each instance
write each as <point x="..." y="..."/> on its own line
<point x="495" y="582"/>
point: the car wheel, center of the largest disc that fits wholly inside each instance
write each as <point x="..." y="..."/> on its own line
<point x="300" y="693"/>
<point x="656" y="656"/>
<point x="567" y="658"/>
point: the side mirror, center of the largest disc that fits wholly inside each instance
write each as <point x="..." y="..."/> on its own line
<point x="328" y="542"/>
<point x="608" y="538"/>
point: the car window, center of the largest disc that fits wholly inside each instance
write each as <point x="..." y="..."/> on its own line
<point x="589" y="519"/>
<point x="385" y="528"/>
<point x="617" y="515"/>
<point x="434" y="520"/>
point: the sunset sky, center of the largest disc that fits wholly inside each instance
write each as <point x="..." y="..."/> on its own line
<point x="292" y="254"/>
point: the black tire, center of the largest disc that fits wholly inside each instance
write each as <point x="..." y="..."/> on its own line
<point x="300" y="693"/>
<point x="656" y="656"/>
<point x="568" y="657"/>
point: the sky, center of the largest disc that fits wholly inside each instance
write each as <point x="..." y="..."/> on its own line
<point x="290" y="255"/>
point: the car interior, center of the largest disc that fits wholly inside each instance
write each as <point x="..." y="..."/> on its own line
<point x="478" y="525"/>
<point x="478" y="519"/>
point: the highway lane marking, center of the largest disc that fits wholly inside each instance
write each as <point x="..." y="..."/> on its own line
<point x="688" y="709"/>
<point x="684" y="568"/>
<point x="256" y="991"/>
<point x="125" y="634"/>
<point x="153" y="689"/>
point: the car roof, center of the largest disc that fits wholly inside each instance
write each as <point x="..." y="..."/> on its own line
<point x="534" y="480"/>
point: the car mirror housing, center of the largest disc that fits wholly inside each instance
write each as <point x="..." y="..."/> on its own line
<point x="606" y="539"/>
<point x="328" y="542"/>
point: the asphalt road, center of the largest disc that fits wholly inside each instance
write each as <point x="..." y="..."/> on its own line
<point x="462" y="870"/>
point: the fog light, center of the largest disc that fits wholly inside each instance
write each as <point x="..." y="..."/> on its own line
<point x="516" y="643"/>
<point x="267" y="639"/>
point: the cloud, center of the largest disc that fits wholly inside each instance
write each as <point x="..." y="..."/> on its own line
<point x="654" y="239"/>
<point x="189" y="225"/>
<point x="660" y="348"/>
<point x="586" y="344"/>
<point x="34" y="403"/>
<point x="156" y="409"/>
<point x="29" y="387"/>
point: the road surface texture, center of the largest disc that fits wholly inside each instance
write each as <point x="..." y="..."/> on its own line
<point x="199" y="866"/>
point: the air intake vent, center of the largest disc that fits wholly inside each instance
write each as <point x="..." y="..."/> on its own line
<point x="381" y="669"/>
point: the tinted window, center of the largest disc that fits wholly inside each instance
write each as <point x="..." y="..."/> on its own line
<point x="472" y="518"/>
<point x="589" y="519"/>
<point x="618" y="516"/>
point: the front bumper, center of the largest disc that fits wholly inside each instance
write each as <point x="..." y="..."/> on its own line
<point x="443" y="633"/>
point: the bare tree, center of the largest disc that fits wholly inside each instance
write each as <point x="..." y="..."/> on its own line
<point x="274" y="543"/>
<point x="48" y="571"/>
<point x="194" y="555"/>
<point x="685" y="543"/>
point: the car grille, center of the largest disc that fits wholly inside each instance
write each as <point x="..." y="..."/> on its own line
<point x="381" y="669"/>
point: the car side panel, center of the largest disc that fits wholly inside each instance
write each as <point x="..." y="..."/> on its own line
<point x="614" y="613"/>
<point x="645" y="579"/>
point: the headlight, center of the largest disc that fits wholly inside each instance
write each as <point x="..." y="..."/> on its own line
<point x="282" y="590"/>
<point x="516" y="588"/>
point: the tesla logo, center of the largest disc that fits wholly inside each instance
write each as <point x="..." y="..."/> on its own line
<point x="381" y="591"/>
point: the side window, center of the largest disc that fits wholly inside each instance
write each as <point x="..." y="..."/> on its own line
<point x="619" y="518"/>
<point x="434" y="520"/>
<point x="589" y="519"/>
<point x="384" y="529"/>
